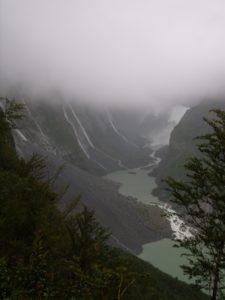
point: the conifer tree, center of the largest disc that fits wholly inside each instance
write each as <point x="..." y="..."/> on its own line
<point x="201" y="202"/>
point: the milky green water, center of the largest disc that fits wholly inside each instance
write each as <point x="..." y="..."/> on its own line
<point x="138" y="184"/>
<point x="165" y="257"/>
<point x="161" y="254"/>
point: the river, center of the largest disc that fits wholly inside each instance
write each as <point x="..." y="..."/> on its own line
<point x="138" y="184"/>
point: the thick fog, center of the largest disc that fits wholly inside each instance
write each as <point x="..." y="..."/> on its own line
<point x="124" y="52"/>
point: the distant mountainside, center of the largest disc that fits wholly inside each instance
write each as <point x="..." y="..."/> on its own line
<point x="38" y="240"/>
<point x="90" y="143"/>
<point x="88" y="138"/>
<point x="182" y="143"/>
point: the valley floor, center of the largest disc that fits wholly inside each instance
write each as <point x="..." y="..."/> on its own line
<point x="138" y="184"/>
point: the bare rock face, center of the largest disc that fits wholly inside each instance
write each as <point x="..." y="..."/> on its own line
<point x="90" y="143"/>
<point x="94" y="140"/>
<point x="182" y="143"/>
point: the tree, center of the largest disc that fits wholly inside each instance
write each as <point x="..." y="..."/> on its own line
<point x="201" y="202"/>
<point x="46" y="253"/>
<point x="10" y="111"/>
<point x="88" y="238"/>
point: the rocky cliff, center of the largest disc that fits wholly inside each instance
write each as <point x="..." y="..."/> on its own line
<point x="90" y="143"/>
<point x="182" y="143"/>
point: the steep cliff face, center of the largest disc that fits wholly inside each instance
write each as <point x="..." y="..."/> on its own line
<point x="182" y="143"/>
<point x="90" y="143"/>
<point x="90" y="139"/>
<point x="129" y="222"/>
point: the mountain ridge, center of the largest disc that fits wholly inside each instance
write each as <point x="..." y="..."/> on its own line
<point x="182" y="143"/>
<point x="132" y="223"/>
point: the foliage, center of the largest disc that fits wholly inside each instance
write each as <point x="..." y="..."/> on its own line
<point x="202" y="202"/>
<point x="49" y="254"/>
<point x="12" y="110"/>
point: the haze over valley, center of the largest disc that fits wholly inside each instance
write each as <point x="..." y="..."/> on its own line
<point x="113" y="94"/>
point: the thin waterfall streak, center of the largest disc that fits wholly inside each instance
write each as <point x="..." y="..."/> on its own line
<point x="75" y="133"/>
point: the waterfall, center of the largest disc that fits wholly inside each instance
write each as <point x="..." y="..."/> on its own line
<point x="111" y="121"/>
<point x="44" y="137"/>
<point x="82" y="127"/>
<point x="21" y="135"/>
<point x="75" y="133"/>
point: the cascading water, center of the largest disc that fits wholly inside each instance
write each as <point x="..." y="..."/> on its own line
<point x="75" y="133"/>
<point x="112" y="123"/>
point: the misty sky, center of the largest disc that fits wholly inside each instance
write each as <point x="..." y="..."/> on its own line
<point x="129" y="52"/>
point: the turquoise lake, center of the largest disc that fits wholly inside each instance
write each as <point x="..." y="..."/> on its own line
<point x="138" y="184"/>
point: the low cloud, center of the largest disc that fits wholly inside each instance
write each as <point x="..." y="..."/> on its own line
<point x="151" y="53"/>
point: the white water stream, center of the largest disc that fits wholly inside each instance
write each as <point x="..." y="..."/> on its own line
<point x="75" y="133"/>
<point x="115" y="129"/>
<point x="138" y="184"/>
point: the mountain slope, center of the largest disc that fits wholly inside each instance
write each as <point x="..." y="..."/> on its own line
<point x="89" y="138"/>
<point x="182" y="143"/>
<point x="47" y="255"/>
<point x="62" y="134"/>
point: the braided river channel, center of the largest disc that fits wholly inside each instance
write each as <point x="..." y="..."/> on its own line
<point x="138" y="184"/>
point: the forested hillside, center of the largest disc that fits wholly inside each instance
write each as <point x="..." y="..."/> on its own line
<point x="50" y="254"/>
<point x="45" y="130"/>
